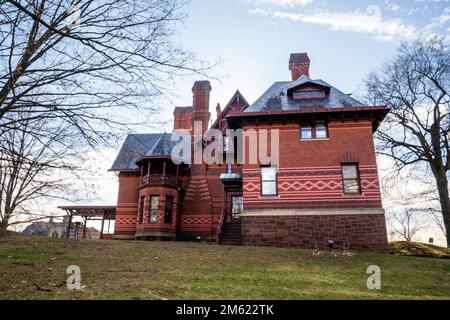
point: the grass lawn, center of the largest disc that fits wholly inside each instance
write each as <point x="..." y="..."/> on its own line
<point x="35" y="268"/>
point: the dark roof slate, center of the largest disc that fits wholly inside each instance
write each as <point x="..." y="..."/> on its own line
<point x="163" y="147"/>
<point x="138" y="146"/>
<point x="276" y="98"/>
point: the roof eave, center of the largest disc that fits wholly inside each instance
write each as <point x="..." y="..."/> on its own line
<point x="307" y="111"/>
<point x="381" y="110"/>
<point x="123" y="170"/>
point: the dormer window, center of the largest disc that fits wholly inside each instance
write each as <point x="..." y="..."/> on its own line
<point x="308" y="90"/>
<point x="308" y="94"/>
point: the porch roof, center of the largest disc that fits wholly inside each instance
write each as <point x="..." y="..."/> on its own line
<point x="104" y="212"/>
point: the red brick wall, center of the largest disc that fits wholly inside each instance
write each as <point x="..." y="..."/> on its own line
<point x="182" y="120"/>
<point x="309" y="171"/>
<point x="127" y="205"/>
<point x="361" y="231"/>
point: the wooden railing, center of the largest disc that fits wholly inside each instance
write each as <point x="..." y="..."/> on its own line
<point x="219" y="227"/>
<point x="159" y="180"/>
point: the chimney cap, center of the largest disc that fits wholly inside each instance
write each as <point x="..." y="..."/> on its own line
<point x="202" y="85"/>
<point x="299" y="57"/>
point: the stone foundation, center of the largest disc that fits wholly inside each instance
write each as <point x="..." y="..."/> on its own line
<point x="363" y="231"/>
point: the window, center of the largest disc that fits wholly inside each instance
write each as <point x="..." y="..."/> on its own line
<point x="153" y="209"/>
<point x="227" y="144"/>
<point x="350" y="175"/>
<point x="317" y="131"/>
<point x="308" y="94"/>
<point x="321" y="131"/>
<point x="306" y="132"/>
<point x="268" y="181"/>
<point x="168" y="210"/>
<point x="237" y="205"/>
<point x="141" y="210"/>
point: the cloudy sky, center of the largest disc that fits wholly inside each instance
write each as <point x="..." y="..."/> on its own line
<point x="345" y="40"/>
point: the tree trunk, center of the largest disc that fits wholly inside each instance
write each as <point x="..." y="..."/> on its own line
<point x="3" y="225"/>
<point x="442" y="186"/>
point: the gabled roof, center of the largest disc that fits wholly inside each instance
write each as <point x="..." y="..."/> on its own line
<point x="237" y="98"/>
<point x="312" y="83"/>
<point x="276" y="98"/>
<point x="138" y="146"/>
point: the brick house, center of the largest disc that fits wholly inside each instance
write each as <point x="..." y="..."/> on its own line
<point x="323" y="187"/>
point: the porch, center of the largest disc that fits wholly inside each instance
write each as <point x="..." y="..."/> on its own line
<point x="105" y="214"/>
<point x="159" y="172"/>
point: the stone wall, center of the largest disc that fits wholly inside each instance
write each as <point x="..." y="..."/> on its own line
<point x="361" y="231"/>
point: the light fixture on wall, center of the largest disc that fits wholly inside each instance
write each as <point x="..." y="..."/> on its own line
<point x="330" y="244"/>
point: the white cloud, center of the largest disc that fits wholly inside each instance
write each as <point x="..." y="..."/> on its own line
<point x="284" y="3"/>
<point x="438" y="22"/>
<point x="356" y="21"/>
<point x="394" y="7"/>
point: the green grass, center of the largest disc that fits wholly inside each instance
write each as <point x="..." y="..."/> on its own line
<point x="180" y="270"/>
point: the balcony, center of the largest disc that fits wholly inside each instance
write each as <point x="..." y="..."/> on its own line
<point x="159" y="180"/>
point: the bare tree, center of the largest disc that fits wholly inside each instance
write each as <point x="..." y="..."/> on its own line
<point x="70" y="72"/>
<point x="437" y="218"/>
<point x="84" y="61"/>
<point x="406" y="224"/>
<point x="416" y="133"/>
<point x="34" y="168"/>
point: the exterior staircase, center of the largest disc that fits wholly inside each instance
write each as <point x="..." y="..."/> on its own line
<point x="231" y="233"/>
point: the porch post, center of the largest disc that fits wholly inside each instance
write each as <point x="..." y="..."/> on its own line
<point x="84" y="227"/>
<point x="103" y="224"/>
<point x="69" y="224"/>
<point x="164" y="171"/>
<point x="148" y="168"/>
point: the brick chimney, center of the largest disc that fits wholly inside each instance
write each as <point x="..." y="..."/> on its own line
<point x="182" y="118"/>
<point x="299" y="65"/>
<point x="200" y="103"/>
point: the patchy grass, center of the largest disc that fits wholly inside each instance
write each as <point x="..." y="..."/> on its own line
<point x="417" y="249"/>
<point x="35" y="268"/>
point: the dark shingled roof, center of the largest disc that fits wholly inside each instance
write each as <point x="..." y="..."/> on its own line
<point x="138" y="146"/>
<point x="298" y="57"/>
<point x="276" y="98"/>
<point x="162" y="148"/>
